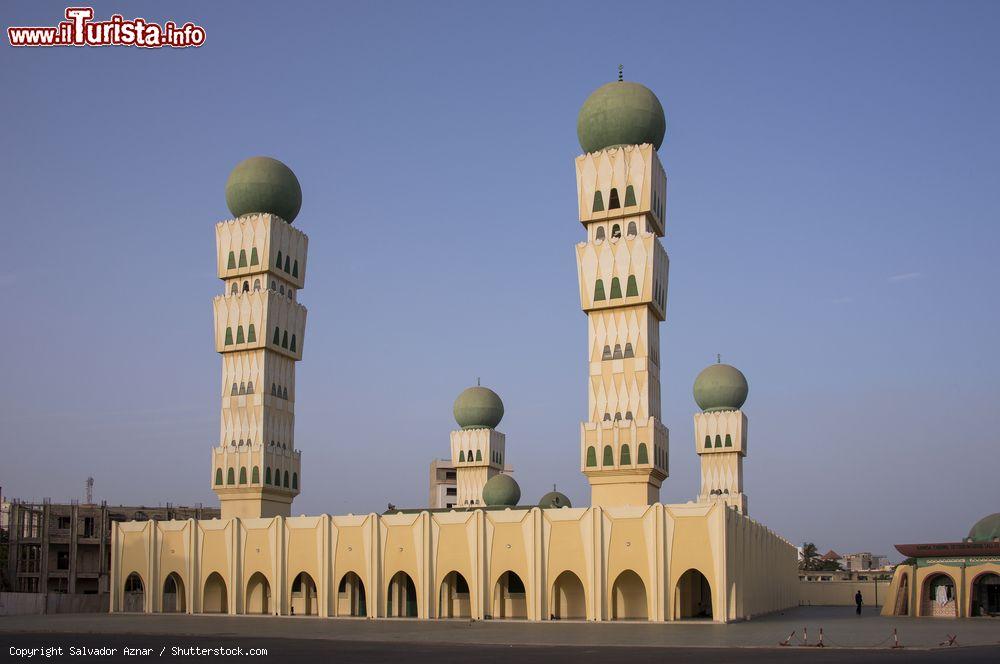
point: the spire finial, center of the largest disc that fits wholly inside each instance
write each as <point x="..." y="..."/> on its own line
<point x="620" y="75"/>
<point x="478" y="384"/>
<point x="718" y="358"/>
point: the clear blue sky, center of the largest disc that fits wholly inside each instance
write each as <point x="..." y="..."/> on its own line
<point x="832" y="228"/>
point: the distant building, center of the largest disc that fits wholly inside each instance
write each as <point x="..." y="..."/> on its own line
<point x="65" y="548"/>
<point x="857" y="562"/>
<point x="444" y="484"/>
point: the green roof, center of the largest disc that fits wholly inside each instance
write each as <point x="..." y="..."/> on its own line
<point x="501" y="490"/>
<point x="478" y="408"/>
<point x="554" y="499"/>
<point x="263" y="185"/>
<point x="620" y="113"/>
<point x="720" y="387"/>
<point x="986" y="529"/>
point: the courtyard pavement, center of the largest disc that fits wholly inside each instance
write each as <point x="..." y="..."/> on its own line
<point x="841" y="629"/>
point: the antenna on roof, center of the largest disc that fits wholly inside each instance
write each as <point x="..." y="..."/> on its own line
<point x="620" y="75"/>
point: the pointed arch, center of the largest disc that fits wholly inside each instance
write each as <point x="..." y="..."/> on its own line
<point x="461" y="456"/>
<point x="277" y="337"/>
<point x="218" y="477"/>
<point x="295" y="269"/>
<point x="302" y="596"/>
<point x="231" y="265"/>
<point x="454" y="599"/>
<point x="401" y="597"/>
<point x="616" y="288"/>
<point x="568" y="600"/>
<point x="613" y="203"/>
<point x="295" y="480"/>
<point x="239" y="335"/>
<point x="509" y="597"/>
<point x="287" y="264"/>
<point x="642" y="456"/>
<point x="243" y="475"/>
<point x="285" y="484"/>
<point x="284" y="339"/>
<point x="629" y="196"/>
<point x="718" y="440"/>
<point x="591" y="457"/>
<point x="729" y="440"/>
<point x="628" y="597"/>
<point x="708" y="442"/>
<point x="599" y="234"/>
<point x="609" y="456"/>
<point x="231" y="476"/>
<point x="277" y="263"/>
<point x="214" y="596"/>
<point x="229" y="336"/>
<point x="632" y="288"/>
<point x="351" y="596"/>
<point x="134" y="597"/>
<point x="243" y="257"/>
<point x="598" y="202"/>
<point x="255" y="475"/>
<point x="479" y="455"/>
<point x="254" y="260"/>
<point x="625" y="456"/>
<point x="258" y="595"/>
<point x="267" y="475"/>
<point x="251" y="334"/>
<point x="693" y="596"/>
<point x="292" y="346"/>
<point x="174" y="599"/>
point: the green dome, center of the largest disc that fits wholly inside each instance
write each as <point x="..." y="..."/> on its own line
<point x="986" y="529"/>
<point x="478" y="408"/>
<point x="720" y="387"/>
<point x="620" y="113"/>
<point x="262" y="184"/>
<point x="501" y="490"/>
<point x="554" y="499"/>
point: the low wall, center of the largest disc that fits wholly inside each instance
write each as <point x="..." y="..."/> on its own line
<point x="13" y="604"/>
<point x="841" y="593"/>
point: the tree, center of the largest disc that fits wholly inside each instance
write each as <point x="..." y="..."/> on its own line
<point x="809" y="557"/>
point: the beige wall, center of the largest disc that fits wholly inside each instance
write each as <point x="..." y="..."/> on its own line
<point x="597" y="563"/>
<point x="841" y="593"/>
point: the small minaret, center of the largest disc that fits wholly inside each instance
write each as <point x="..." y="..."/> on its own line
<point x="477" y="449"/>
<point x="259" y="331"/>
<point x="622" y="269"/>
<point x="720" y="434"/>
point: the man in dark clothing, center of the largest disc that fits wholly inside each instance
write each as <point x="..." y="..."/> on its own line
<point x="858" y="600"/>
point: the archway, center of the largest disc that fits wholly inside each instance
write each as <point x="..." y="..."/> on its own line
<point x="134" y="600"/>
<point x="401" y="597"/>
<point x="454" y="600"/>
<point x="174" y="598"/>
<point x="568" y="598"/>
<point x="351" y="596"/>
<point x="985" y="595"/>
<point x="509" y="597"/>
<point x="303" y="599"/>
<point x="258" y="599"/>
<point x="938" y="597"/>
<point x="693" y="596"/>
<point x="215" y="599"/>
<point x="902" y="606"/>
<point x="628" y="597"/>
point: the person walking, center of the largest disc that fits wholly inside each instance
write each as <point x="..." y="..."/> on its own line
<point x="859" y="601"/>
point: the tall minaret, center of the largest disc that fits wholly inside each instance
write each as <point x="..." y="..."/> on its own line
<point x="260" y="332"/>
<point x="621" y="195"/>
<point x="477" y="448"/>
<point x="720" y="434"/>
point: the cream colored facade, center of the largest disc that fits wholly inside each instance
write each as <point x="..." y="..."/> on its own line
<point x="260" y="332"/>
<point x="626" y="557"/>
<point x="656" y="562"/>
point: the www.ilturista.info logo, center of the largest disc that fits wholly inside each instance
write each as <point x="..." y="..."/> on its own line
<point x="80" y="30"/>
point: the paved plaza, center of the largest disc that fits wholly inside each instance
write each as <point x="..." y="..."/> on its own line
<point x="368" y="640"/>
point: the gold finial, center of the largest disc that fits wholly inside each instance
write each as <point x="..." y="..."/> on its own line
<point x="620" y="75"/>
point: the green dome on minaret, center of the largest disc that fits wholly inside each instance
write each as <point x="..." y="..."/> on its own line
<point x="986" y="529"/>
<point x="554" y="500"/>
<point x="501" y="490"/>
<point x="720" y="387"/>
<point x="263" y="185"/>
<point x="478" y="408"/>
<point x="620" y="113"/>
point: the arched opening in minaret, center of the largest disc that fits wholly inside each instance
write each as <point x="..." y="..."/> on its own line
<point x="510" y="600"/>
<point x="401" y="597"/>
<point x="258" y="595"/>
<point x="303" y="600"/>
<point x="351" y="596"/>
<point x="568" y="600"/>
<point x="215" y="599"/>
<point x="693" y="597"/>
<point x="454" y="599"/>
<point x="628" y="597"/>
<point x="613" y="202"/>
<point x="174" y="599"/>
<point x="134" y="599"/>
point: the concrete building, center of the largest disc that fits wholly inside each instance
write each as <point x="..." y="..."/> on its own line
<point x="626" y="556"/>
<point x="444" y="485"/>
<point x="864" y="561"/>
<point x="65" y="548"/>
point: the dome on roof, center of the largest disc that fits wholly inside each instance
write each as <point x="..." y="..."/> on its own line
<point x="986" y="529"/>
<point x="478" y="408"/>
<point x="720" y="387"/>
<point x="263" y="185"/>
<point x="554" y="499"/>
<point x="620" y="113"/>
<point x="501" y="490"/>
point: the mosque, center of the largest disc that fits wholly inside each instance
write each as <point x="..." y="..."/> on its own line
<point x="626" y="556"/>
